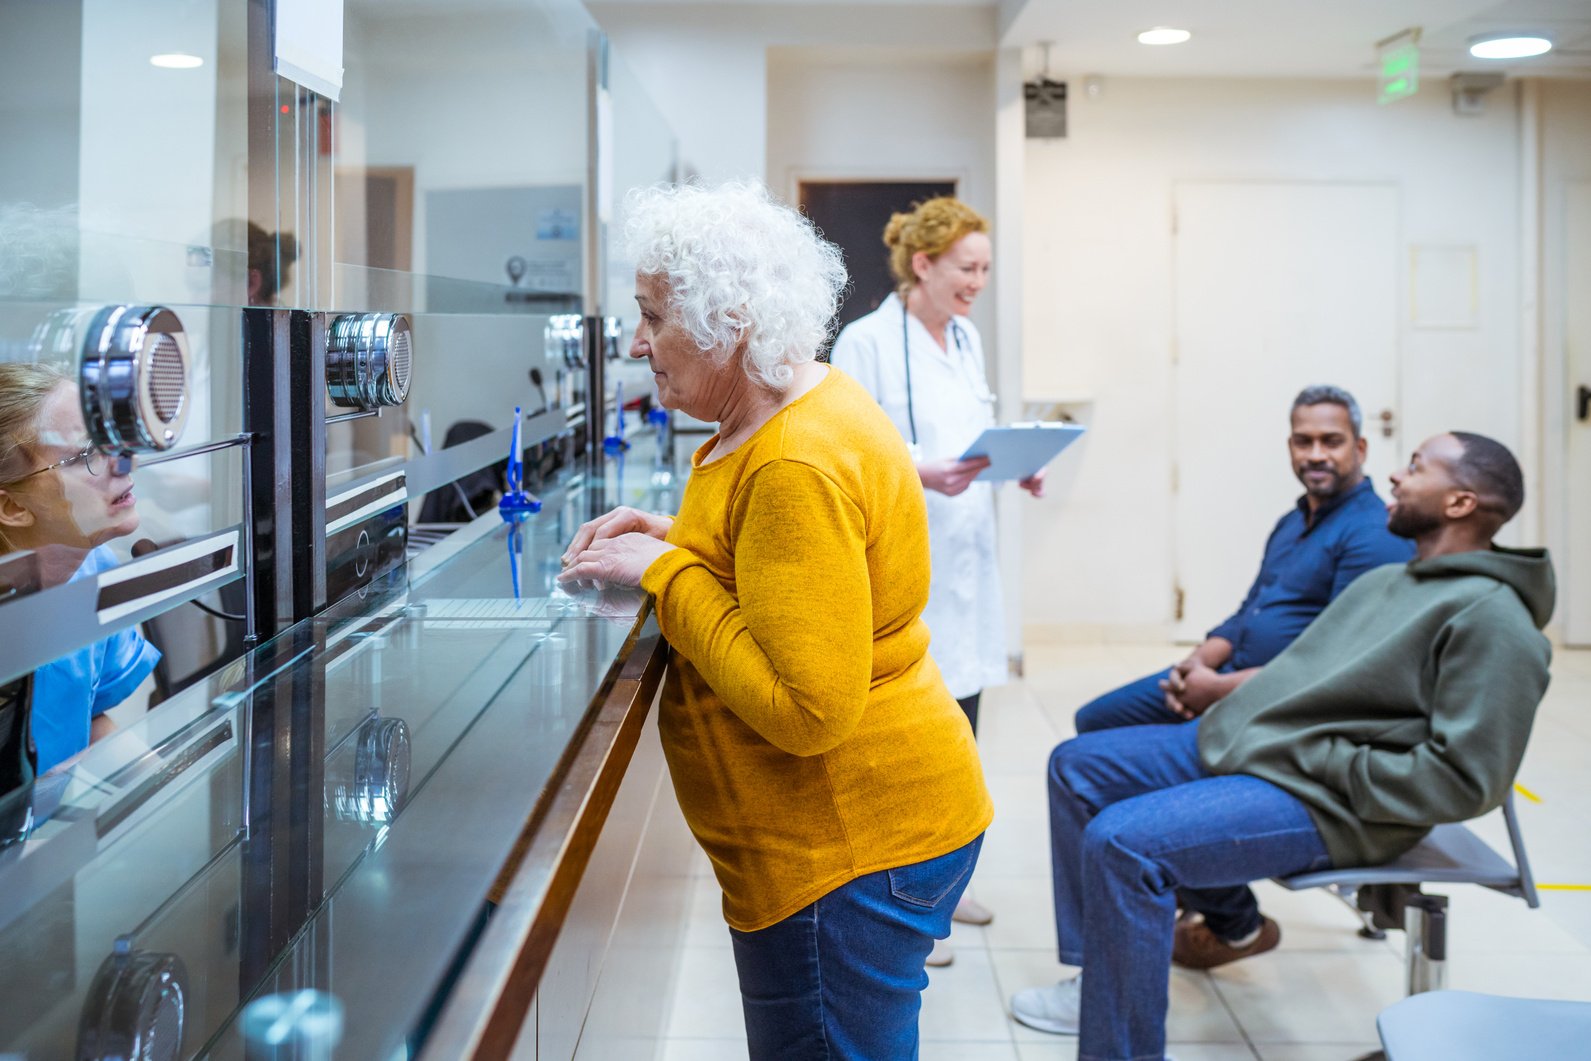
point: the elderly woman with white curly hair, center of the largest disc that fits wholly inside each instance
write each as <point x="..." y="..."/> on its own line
<point x="818" y="757"/>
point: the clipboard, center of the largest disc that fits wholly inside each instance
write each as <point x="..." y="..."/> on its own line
<point x="1021" y="450"/>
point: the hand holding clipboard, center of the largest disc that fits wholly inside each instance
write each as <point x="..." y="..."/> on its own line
<point x="1021" y="450"/>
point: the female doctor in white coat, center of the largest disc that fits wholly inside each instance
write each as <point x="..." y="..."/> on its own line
<point x="922" y="360"/>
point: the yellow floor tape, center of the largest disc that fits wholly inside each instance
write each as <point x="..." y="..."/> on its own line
<point x="1564" y="887"/>
<point x="1523" y="791"/>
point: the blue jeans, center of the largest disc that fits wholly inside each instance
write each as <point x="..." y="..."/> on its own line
<point x="843" y="977"/>
<point x="1135" y="818"/>
<point x="1139" y="703"/>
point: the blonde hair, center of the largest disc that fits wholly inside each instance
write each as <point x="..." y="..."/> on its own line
<point x="24" y="386"/>
<point x="930" y="228"/>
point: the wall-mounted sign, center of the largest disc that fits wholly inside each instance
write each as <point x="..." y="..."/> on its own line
<point x="1398" y="59"/>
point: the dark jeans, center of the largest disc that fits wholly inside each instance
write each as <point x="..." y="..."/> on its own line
<point x="969" y="704"/>
<point x="1134" y="819"/>
<point x="843" y="978"/>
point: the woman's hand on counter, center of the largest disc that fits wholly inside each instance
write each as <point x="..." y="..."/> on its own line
<point x="614" y="561"/>
<point x="622" y="520"/>
<point x="950" y="477"/>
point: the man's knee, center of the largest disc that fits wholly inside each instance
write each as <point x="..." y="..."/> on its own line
<point x="1072" y="761"/>
<point x="1134" y="704"/>
<point x="1096" y="715"/>
<point x="1111" y="839"/>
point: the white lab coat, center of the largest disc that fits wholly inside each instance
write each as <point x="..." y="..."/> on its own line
<point x="953" y="404"/>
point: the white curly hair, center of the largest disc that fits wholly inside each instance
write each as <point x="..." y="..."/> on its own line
<point x="742" y="267"/>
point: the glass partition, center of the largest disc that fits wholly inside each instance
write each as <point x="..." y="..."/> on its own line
<point x="167" y="205"/>
<point x="460" y="181"/>
<point x="431" y="715"/>
<point x="126" y="257"/>
<point x="643" y="152"/>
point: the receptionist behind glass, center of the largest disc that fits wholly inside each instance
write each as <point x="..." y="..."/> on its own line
<point x="64" y="499"/>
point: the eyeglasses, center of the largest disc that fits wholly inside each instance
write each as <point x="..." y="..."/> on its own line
<point x="93" y="459"/>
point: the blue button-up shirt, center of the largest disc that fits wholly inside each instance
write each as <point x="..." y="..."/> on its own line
<point x="1306" y="565"/>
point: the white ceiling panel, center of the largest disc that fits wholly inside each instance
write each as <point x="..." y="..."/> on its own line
<point x="1295" y="38"/>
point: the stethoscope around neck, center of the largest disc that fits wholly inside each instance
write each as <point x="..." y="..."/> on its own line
<point x="957" y="336"/>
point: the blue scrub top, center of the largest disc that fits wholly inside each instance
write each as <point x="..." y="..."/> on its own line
<point x="1307" y="563"/>
<point x="70" y="691"/>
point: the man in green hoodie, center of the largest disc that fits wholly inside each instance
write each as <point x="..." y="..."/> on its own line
<point x="1406" y="703"/>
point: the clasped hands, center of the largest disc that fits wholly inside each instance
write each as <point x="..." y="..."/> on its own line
<point x="1191" y="687"/>
<point x="616" y="548"/>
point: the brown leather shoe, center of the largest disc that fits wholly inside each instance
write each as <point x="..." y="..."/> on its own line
<point x="1196" y="947"/>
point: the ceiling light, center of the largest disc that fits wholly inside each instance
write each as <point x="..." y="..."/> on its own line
<point x="175" y="61"/>
<point x="1163" y="35"/>
<point x="1508" y="46"/>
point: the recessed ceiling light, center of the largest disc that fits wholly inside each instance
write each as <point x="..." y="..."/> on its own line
<point x="1163" y="35"/>
<point x="1508" y="46"/>
<point x="175" y="61"/>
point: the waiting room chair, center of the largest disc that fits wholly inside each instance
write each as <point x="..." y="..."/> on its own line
<point x="1465" y="1026"/>
<point x="449" y="507"/>
<point x="1450" y="854"/>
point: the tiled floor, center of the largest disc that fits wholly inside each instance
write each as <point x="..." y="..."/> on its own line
<point x="1314" y="999"/>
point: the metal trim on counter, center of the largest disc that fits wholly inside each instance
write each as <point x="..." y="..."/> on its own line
<point x="487" y="1007"/>
<point x="349" y="506"/>
<point x="443" y="466"/>
<point x="53" y="622"/>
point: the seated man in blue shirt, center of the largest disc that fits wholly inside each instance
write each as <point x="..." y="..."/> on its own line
<point x="1336" y="532"/>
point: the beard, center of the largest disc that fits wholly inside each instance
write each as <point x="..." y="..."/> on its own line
<point x="1410" y="523"/>
<point x="1321" y="491"/>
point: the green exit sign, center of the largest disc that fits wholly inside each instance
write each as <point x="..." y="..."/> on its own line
<point x="1400" y="66"/>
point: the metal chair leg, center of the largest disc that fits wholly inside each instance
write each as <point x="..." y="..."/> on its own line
<point x="1425" y="956"/>
<point x="1349" y="897"/>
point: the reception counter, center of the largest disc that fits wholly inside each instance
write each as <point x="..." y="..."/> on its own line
<point x="394" y="803"/>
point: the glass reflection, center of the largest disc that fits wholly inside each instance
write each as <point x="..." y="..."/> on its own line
<point x="459" y="197"/>
<point x="65" y="509"/>
<point x="127" y="185"/>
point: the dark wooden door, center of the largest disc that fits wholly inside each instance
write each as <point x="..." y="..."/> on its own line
<point x="853" y="214"/>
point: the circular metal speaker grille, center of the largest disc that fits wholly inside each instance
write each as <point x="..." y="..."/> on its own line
<point x="369" y="359"/>
<point x="379" y="785"/>
<point x="136" y="1007"/>
<point x="134" y="378"/>
<point x="168" y="378"/>
<point x="400" y="363"/>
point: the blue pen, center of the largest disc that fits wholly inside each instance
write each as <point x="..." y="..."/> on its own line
<point x="516" y="504"/>
<point x="614" y="443"/>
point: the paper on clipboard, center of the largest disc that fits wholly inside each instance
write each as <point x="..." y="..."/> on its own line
<point x="1020" y="450"/>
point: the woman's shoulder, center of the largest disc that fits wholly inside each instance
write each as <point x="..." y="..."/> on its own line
<point x="837" y="419"/>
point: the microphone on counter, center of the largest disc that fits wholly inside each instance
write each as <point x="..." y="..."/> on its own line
<point x="536" y="381"/>
<point x="144" y="546"/>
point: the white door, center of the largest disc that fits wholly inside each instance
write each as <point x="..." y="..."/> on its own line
<point x="1278" y="286"/>
<point x="1577" y="340"/>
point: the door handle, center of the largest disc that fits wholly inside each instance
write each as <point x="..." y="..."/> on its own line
<point x="1387" y="417"/>
<point x="1582" y="403"/>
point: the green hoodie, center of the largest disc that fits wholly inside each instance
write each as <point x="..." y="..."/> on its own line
<point x="1406" y="703"/>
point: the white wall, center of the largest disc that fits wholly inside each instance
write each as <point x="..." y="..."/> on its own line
<point x="1097" y="297"/>
<point x="905" y="116"/>
<point x="493" y="101"/>
<point x="706" y="64"/>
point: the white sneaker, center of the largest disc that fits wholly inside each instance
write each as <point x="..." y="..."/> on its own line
<point x="941" y="955"/>
<point x="971" y="912"/>
<point x="1050" y="1009"/>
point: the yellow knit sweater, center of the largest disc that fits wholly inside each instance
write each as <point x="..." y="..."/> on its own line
<point x="810" y="737"/>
